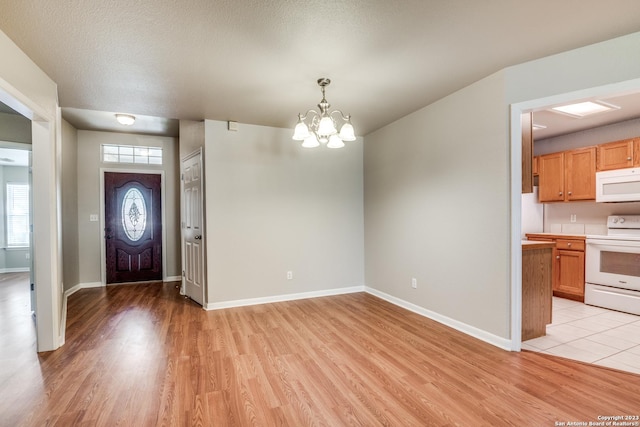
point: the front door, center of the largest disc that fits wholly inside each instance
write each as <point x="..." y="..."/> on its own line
<point x="133" y="227"/>
<point x="192" y="229"/>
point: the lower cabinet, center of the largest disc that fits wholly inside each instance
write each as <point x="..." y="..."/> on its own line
<point x="569" y="280"/>
<point x="568" y="274"/>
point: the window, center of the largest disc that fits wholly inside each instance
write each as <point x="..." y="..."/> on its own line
<point x="17" y="215"/>
<point x="131" y="154"/>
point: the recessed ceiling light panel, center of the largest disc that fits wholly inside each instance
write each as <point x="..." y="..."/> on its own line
<point x="584" y="109"/>
<point x="125" y="119"/>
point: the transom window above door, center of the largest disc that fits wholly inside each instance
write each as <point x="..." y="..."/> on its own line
<point x="131" y="154"/>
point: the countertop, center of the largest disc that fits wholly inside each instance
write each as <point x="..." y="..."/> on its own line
<point x="528" y="245"/>
<point x="557" y="236"/>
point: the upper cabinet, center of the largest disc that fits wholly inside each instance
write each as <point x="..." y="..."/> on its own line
<point x="580" y="178"/>
<point x="567" y="176"/>
<point x="619" y="154"/>
<point x="615" y="155"/>
<point x="551" y="177"/>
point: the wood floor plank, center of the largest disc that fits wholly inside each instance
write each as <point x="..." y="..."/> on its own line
<point x="143" y="355"/>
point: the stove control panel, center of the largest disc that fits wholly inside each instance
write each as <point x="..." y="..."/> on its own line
<point x="623" y="221"/>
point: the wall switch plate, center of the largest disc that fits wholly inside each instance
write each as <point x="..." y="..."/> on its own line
<point x="93" y="217"/>
<point x="289" y="275"/>
<point x="414" y="283"/>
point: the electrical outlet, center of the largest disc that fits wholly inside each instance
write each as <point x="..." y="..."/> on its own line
<point x="27" y="255"/>
<point x="573" y="218"/>
<point x="289" y="275"/>
<point x="414" y="283"/>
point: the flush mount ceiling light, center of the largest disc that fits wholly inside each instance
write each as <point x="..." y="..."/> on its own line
<point x="315" y="127"/>
<point x="125" y="119"/>
<point x="584" y="109"/>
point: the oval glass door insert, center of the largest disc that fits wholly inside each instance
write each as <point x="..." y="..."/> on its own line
<point x="134" y="214"/>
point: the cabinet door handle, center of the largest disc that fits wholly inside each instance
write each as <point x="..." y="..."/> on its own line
<point x="560" y="193"/>
<point x="568" y="244"/>
<point x="569" y="193"/>
<point x="557" y="256"/>
<point x="628" y="158"/>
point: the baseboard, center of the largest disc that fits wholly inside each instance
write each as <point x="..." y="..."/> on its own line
<point x="282" y="298"/>
<point x="173" y="279"/>
<point x="480" y="334"/>
<point x="15" y="270"/>
<point x="72" y="290"/>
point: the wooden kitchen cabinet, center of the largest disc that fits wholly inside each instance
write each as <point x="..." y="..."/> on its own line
<point x="569" y="280"/>
<point x="551" y="177"/>
<point x="536" y="162"/>
<point x="568" y="267"/>
<point x="567" y="176"/>
<point x="616" y="155"/>
<point x="537" y="283"/>
<point x="580" y="169"/>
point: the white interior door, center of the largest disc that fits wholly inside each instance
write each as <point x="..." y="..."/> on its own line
<point x="192" y="228"/>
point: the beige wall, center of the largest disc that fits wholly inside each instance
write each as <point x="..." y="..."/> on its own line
<point x="438" y="187"/>
<point x="191" y="137"/>
<point x="27" y="89"/>
<point x="272" y="207"/>
<point x="70" y="236"/>
<point x="437" y="207"/>
<point x="15" y="128"/>
<point x="89" y="194"/>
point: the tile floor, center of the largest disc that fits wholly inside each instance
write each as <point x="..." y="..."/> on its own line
<point x="591" y="334"/>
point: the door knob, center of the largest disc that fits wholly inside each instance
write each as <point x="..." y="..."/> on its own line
<point x="198" y="237"/>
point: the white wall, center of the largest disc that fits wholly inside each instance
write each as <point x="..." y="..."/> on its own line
<point x="447" y="167"/>
<point x="585" y="138"/>
<point x="70" y="236"/>
<point x="272" y="207"/>
<point x="15" y="128"/>
<point x="28" y="90"/>
<point x="436" y="207"/>
<point x="89" y="195"/>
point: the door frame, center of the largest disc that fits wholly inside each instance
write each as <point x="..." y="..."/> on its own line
<point x="103" y="250"/>
<point x="205" y="290"/>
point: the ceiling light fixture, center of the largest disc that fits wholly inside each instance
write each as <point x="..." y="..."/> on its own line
<point x="125" y="119"/>
<point x="321" y="126"/>
<point x="583" y="109"/>
<point x="537" y="127"/>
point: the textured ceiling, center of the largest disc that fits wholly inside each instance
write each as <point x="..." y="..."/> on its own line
<point x="257" y="61"/>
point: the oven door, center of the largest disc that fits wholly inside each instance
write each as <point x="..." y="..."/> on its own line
<point x="613" y="263"/>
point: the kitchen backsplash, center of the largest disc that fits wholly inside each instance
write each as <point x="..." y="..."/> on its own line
<point x="590" y="217"/>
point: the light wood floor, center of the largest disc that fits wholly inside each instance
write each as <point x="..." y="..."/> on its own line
<point x="141" y="355"/>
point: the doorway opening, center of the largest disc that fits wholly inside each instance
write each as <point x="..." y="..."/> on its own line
<point x="567" y="314"/>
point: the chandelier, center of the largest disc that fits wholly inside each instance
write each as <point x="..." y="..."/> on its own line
<point x="321" y="127"/>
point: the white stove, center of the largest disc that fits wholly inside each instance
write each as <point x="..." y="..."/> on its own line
<point x="612" y="266"/>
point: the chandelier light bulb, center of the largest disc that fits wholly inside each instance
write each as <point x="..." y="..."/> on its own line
<point x="347" y="133"/>
<point x="301" y="131"/>
<point x="326" y="127"/>
<point x="311" y="142"/>
<point x="335" y="142"/>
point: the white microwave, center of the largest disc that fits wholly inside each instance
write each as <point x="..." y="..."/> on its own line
<point x="620" y="185"/>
